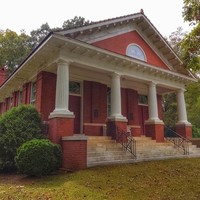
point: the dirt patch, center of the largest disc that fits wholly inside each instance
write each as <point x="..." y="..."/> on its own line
<point x="16" y="179"/>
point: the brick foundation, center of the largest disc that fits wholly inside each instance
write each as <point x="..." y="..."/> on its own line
<point x="74" y="150"/>
<point x="135" y="131"/>
<point x="94" y="129"/>
<point x="156" y="131"/>
<point x="59" y="127"/>
<point x="111" y="131"/>
<point x="184" y="130"/>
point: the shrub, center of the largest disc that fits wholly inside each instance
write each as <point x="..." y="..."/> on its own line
<point x="38" y="157"/>
<point x="195" y="132"/>
<point x="17" y="126"/>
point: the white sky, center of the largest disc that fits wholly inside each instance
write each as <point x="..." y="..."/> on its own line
<point x="16" y="15"/>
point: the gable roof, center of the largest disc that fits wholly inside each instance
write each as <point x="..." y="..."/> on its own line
<point x="148" y="30"/>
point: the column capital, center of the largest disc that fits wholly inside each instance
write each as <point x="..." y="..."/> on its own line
<point x="63" y="62"/>
<point x="115" y="74"/>
<point x="182" y="90"/>
<point x="153" y="84"/>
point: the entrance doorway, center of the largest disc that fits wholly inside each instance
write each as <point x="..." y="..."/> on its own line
<point x="75" y="107"/>
<point x="75" y="104"/>
<point x="144" y="115"/>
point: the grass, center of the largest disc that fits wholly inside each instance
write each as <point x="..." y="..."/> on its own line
<point x="155" y="180"/>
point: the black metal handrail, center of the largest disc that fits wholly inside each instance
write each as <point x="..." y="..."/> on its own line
<point x="177" y="139"/>
<point x="125" y="139"/>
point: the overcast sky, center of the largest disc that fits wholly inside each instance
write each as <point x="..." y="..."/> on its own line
<point x="16" y="15"/>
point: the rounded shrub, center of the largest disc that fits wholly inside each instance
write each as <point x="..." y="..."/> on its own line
<point x="38" y="157"/>
<point x="17" y="126"/>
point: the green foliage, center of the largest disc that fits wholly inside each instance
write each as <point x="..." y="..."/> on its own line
<point x="195" y="132"/>
<point x="192" y="98"/>
<point x="13" y="49"/>
<point x="38" y="157"/>
<point x="190" y="47"/>
<point x="17" y="126"/>
<point x="75" y="22"/>
<point x="191" y="10"/>
<point x="175" y="39"/>
<point x="39" y="34"/>
<point x="169" y="109"/>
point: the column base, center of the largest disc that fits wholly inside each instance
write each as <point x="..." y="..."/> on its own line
<point x="184" y="129"/>
<point x="59" y="127"/>
<point x="74" y="149"/>
<point x="155" y="130"/>
<point x="63" y="113"/>
<point x="111" y="128"/>
<point x="135" y="130"/>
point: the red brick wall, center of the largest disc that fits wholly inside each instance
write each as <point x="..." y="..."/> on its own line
<point x="60" y="127"/>
<point x="119" y="44"/>
<point x="143" y="116"/>
<point x="15" y="98"/>
<point x="26" y="93"/>
<point x="45" y="94"/>
<point x="156" y="131"/>
<point x="124" y="102"/>
<point x="94" y="107"/>
<point x="74" y="154"/>
<point x="1" y="108"/>
<point x="87" y="102"/>
<point x="160" y="110"/>
<point x="7" y="103"/>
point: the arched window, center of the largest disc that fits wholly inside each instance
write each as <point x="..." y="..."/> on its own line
<point x="135" y="51"/>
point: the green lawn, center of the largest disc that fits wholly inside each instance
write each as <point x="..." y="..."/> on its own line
<point x="166" y="180"/>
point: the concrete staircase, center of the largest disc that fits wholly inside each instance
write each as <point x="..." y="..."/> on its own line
<point x="101" y="150"/>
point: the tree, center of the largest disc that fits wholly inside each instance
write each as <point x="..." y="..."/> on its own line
<point x="175" y="39"/>
<point x="75" y="22"/>
<point x="13" y="49"/>
<point x="39" y="34"/>
<point x="190" y="47"/>
<point x="191" y="11"/>
<point x="192" y="97"/>
<point x="191" y="43"/>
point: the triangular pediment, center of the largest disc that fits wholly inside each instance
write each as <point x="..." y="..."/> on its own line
<point x="97" y="32"/>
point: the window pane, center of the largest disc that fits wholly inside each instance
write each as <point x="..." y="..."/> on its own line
<point x="143" y="99"/>
<point x="74" y="87"/>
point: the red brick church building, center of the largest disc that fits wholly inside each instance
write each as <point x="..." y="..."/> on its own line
<point x="111" y="71"/>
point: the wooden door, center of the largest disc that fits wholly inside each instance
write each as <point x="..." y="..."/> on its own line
<point x="75" y="107"/>
<point x="144" y="115"/>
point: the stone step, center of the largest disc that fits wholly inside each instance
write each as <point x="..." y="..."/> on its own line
<point x="103" y="150"/>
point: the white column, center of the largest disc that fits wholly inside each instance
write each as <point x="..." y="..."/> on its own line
<point x="116" y="97"/>
<point x="152" y="103"/>
<point x="181" y="107"/>
<point x="62" y="91"/>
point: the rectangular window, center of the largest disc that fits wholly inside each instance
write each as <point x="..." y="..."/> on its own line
<point x="74" y="87"/>
<point x="33" y="93"/>
<point x="143" y="99"/>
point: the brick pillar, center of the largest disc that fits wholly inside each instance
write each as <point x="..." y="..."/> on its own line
<point x="74" y="150"/>
<point x="45" y="80"/>
<point x="154" y="127"/>
<point x="183" y="127"/>
<point x="61" y="120"/>
<point x="111" y="128"/>
<point x="59" y="127"/>
<point x="116" y="118"/>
